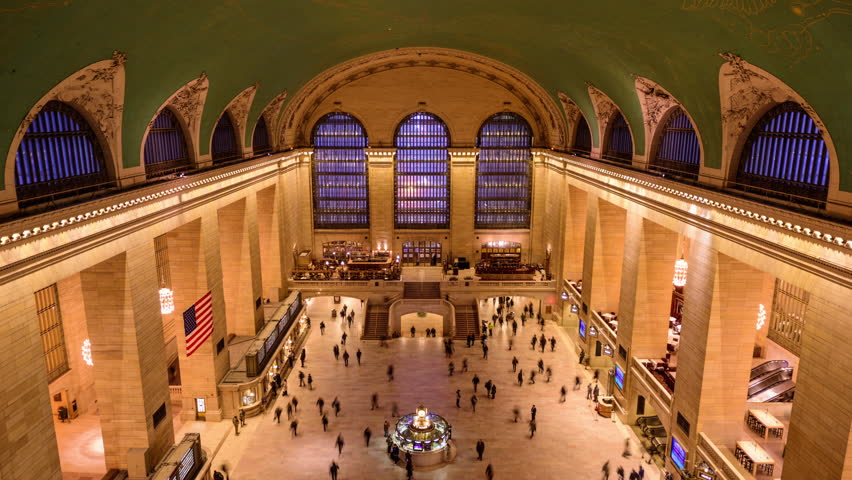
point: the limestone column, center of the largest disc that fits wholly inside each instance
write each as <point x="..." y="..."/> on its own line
<point x="240" y="253"/>
<point x="123" y="315"/>
<point x="462" y="204"/>
<point x="272" y="267"/>
<point x="538" y="208"/>
<point x="607" y="258"/>
<point x="296" y="218"/>
<point x="381" y="198"/>
<point x="721" y="299"/>
<point x="195" y="268"/>
<point x="27" y="439"/>
<point x="819" y="441"/>
<point x="574" y="233"/>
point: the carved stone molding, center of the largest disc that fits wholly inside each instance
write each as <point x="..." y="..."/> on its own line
<point x="572" y="115"/>
<point x="293" y="129"/>
<point x="655" y="101"/>
<point x="189" y="101"/>
<point x="270" y="114"/>
<point x="605" y="108"/>
<point x="239" y="108"/>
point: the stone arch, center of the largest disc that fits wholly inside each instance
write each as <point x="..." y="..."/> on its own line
<point x="605" y="111"/>
<point x="270" y="113"/>
<point x="187" y="104"/>
<point x="437" y="306"/>
<point x="314" y="124"/>
<point x="546" y="121"/>
<point x="238" y="109"/>
<point x="96" y="92"/>
<point x="657" y="107"/>
<point x="441" y="116"/>
<point x="746" y="93"/>
<point x="573" y="114"/>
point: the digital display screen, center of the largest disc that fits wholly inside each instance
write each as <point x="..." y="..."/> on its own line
<point x="418" y="447"/>
<point x="619" y="377"/>
<point x="678" y="454"/>
<point x="582" y="329"/>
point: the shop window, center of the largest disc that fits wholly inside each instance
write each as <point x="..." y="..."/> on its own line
<point x="59" y="156"/>
<point x="582" y="138"/>
<point x="503" y="172"/>
<point x="422" y="173"/>
<point x="260" y="143"/>
<point x="165" y="147"/>
<point x="249" y="397"/>
<point x="619" y="144"/>
<point x="789" y="305"/>
<point x="52" y="334"/>
<point x="786" y="157"/>
<point x="678" y="152"/>
<point x="339" y="171"/>
<point x="225" y="146"/>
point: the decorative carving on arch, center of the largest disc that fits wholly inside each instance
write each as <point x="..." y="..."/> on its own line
<point x="746" y="93"/>
<point x="270" y="114"/>
<point x="548" y="123"/>
<point x="656" y="103"/>
<point x="572" y="115"/>
<point x="96" y="92"/>
<point x="605" y="108"/>
<point x="239" y="109"/>
<point x="187" y="104"/>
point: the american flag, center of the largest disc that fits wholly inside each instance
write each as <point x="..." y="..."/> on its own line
<point x="198" y="323"/>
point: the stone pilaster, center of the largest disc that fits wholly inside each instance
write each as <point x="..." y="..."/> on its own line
<point x="462" y="204"/>
<point x="239" y="249"/>
<point x="296" y="219"/>
<point x="574" y="232"/>
<point x="269" y="232"/>
<point x="27" y="439"/>
<point x="607" y="258"/>
<point x="819" y="444"/>
<point x="123" y="315"/>
<point x="381" y="198"/>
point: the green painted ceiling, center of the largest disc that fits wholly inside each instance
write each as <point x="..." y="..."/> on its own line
<point x="561" y="44"/>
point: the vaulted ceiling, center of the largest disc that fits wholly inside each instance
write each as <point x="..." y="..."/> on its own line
<point x="561" y="44"/>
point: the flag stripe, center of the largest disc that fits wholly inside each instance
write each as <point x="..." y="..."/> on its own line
<point x="198" y="319"/>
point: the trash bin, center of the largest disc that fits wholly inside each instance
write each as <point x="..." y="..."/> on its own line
<point x="604" y="406"/>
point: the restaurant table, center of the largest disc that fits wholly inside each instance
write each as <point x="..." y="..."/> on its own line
<point x="754" y="458"/>
<point x="765" y="424"/>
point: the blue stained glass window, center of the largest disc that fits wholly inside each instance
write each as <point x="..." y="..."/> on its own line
<point x="785" y="156"/>
<point x="59" y="155"/>
<point x="678" y="153"/>
<point x="339" y="170"/>
<point x="260" y="143"/>
<point x="165" y="147"/>
<point x="582" y="138"/>
<point x="422" y="173"/>
<point x="225" y="146"/>
<point x="503" y="180"/>
<point x="619" y="145"/>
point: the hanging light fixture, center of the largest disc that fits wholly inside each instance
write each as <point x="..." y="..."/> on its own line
<point x="167" y="301"/>
<point x="679" y="279"/>
<point x="87" y="352"/>
<point x="761" y="316"/>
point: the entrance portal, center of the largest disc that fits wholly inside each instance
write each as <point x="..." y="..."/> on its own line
<point x="421" y="321"/>
<point x="421" y="253"/>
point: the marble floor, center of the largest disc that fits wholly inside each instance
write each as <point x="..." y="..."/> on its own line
<point x="572" y="441"/>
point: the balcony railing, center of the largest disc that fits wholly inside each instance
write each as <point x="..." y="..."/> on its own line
<point x="724" y="465"/>
<point x="660" y="395"/>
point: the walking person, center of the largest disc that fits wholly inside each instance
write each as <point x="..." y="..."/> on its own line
<point x="335" y="404"/>
<point x="358" y="356"/>
<point x="390" y="373"/>
<point x="540" y="365"/>
<point x="514" y="364"/>
<point x="521" y="378"/>
<point x="626" y="453"/>
<point x="294" y="427"/>
<point x="514" y="327"/>
<point x="577" y="382"/>
<point x="302" y="357"/>
<point x="386" y="427"/>
<point x="488" y="388"/>
<point x="413" y="330"/>
<point x="516" y="412"/>
<point x="320" y="404"/>
<point x="532" y="377"/>
<point x="473" y="401"/>
<point x="345" y="358"/>
<point x="289" y="411"/>
<point x="489" y="472"/>
<point x="562" y="393"/>
<point x="310" y="382"/>
<point x="475" y="381"/>
<point x="553" y="344"/>
<point x="367" y="435"/>
<point x="588" y="391"/>
<point x="336" y="351"/>
<point x="542" y="342"/>
<point x="464" y="365"/>
<point x="548" y="373"/>
<point x="485" y="351"/>
<point x="451" y="367"/>
<point x="596" y="392"/>
<point x="458" y="398"/>
<point x="322" y="328"/>
<point x="533" y="411"/>
<point x="333" y="469"/>
<point x="339" y="442"/>
<point x="374" y="401"/>
<point x="343" y="338"/>
<point x="242" y="418"/>
<point x="605" y="470"/>
<point x="532" y="428"/>
<point x="534" y="341"/>
<point x="278" y="411"/>
<point x="236" y="422"/>
<point x="480" y="449"/>
<point x="493" y="391"/>
<point x="324" y="422"/>
<point x="301" y="378"/>
<point x="620" y="472"/>
<point x="295" y="405"/>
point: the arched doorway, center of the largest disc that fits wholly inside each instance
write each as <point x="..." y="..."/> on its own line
<point x="421" y="253"/>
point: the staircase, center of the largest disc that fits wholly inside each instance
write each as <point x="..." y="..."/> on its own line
<point x="467" y="321"/>
<point x="376" y="322"/>
<point x="422" y="290"/>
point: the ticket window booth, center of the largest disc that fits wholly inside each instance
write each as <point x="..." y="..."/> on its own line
<point x="200" y="409"/>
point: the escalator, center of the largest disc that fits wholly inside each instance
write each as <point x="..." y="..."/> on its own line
<point x="771" y="382"/>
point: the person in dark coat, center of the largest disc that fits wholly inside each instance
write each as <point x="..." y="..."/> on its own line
<point x="345" y="358"/>
<point x="333" y="469"/>
<point x="302" y="357"/>
<point x="480" y="449"/>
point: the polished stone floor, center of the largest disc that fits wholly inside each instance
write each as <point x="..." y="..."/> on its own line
<point x="571" y="441"/>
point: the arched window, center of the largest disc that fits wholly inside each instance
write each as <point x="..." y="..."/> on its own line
<point x="58" y="156"/>
<point x="339" y="170"/>
<point x="619" y="145"/>
<point x="165" y="147"/>
<point x="582" y="138"/>
<point x="785" y="156"/>
<point x="260" y="143"/>
<point x="503" y="178"/>
<point x="422" y="172"/>
<point x="225" y="145"/>
<point x="678" y="153"/>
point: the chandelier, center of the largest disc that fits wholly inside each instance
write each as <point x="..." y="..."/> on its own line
<point x="87" y="352"/>
<point x="167" y="301"/>
<point x="761" y="316"/>
<point x="679" y="279"/>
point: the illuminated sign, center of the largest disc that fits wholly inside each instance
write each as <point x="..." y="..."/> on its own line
<point x="582" y="328"/>
<point x="619" y="378"/>
<point x="593" y="331"/>
<point x="678" y="454"/>
<point x="607" y="350"/>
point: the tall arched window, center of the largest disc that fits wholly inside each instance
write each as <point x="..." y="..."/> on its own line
<point x="225" y="146"/>
<point x="619" y="145"/>
<point x="678" y="153"/>
<point x="165" y="147"/>
<point x="422" y="172"/>
<point x="58" y="156"/>
<point x="785" y="156"/>
<point x="339" y="170"/>
<point x="503" y="181"/>
<point x="582" y="138"/>
<point x="260" y="143"/>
